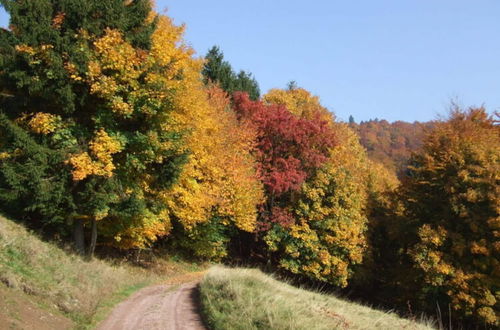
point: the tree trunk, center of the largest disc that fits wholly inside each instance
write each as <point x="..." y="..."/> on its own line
<point x="78" y="236"/>
<point x="93" y="239"/>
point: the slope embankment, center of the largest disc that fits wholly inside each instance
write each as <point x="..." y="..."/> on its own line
<point x="246" y="299"/>
<point x="45" y="287"/>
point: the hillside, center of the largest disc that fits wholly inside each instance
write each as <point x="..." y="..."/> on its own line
<point x="249" y="299"/>
<point x="44" y="287"/>
<point x="391" y="143"/>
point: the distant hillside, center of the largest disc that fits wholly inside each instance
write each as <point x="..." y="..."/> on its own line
<point x="391" y="143"/>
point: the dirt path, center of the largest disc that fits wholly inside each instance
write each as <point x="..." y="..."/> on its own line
<point x="158" y="307"/>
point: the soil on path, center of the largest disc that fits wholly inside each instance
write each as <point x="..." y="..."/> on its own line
<point x="158" y="307"/>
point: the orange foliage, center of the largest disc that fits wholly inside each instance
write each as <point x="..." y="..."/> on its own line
<point x="219" y="178"/>
<point x="454" y="196"/>
<point x="391" y="144"/>
<point x="220" y="170"/>
<point x="102" y="147"/>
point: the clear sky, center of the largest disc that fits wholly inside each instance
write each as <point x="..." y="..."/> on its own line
<point x="390" y="59"/>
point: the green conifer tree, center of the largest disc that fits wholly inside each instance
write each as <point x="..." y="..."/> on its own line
<point x="219" y="71"/>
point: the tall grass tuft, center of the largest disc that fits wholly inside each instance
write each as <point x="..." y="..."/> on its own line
<point x="238" y="298"/>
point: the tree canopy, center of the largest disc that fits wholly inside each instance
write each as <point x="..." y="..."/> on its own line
<point x="452" y="194"/>
<point x="219" y="71"/>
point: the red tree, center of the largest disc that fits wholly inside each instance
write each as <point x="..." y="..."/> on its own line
<point x="289" y="148"/>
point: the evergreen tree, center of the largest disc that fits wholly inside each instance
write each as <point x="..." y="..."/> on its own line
<point x="84" y="143"/>
<point x="219" y="71"/>
<point x="246" y="83"/>
<point x="32" y="179"/>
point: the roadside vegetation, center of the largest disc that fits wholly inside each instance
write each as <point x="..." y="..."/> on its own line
<point x="239" y="298"/>
<point x="64" y="288"/>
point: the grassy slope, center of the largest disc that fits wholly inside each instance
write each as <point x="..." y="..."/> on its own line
<point x="47" y="284"/>
<point x="248" y="299"/>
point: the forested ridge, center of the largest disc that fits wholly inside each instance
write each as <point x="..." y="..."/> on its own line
<point x="114" y="134"/>
<point x="391" y="144"/>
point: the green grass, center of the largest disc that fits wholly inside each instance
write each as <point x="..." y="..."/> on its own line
<point x="238" y="298"/>
<point x="63" y="283"/>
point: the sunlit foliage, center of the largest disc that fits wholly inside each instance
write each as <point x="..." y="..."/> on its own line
<point x="391" y="144"/>
<point x="452" y="193"/>
<point x="289" y="147"/>
<point x="327" y="237"/>
<point x="319" y="230"/>
<point x="109" y="124"/>
<point x="299" y="101"/>
<point x="218" y="187"/>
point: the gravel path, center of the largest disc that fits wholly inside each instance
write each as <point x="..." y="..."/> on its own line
<point x="158" y="307"/>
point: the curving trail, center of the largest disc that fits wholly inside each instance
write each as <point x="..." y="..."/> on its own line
<point x="158" y="307"/>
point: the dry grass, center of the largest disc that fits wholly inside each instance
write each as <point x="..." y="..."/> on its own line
<point x="237" y="298"/>
<point x="83" y="290"/>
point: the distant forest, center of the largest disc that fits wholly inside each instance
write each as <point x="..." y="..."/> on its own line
<point x="391" y="143"/>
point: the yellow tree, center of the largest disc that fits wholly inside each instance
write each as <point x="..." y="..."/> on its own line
<point x="140" y="90"/>
<point x="452" y="196"/>
<point x="218" y="190"/>
<point x="217" y="184"/>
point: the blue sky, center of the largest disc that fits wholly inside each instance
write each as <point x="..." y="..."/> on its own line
<point x="391" y="59"/>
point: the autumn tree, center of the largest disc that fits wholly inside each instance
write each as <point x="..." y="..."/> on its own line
<point x="452" y="200"/>
<point x="299" y="102"/>
<point x="326" y="238"/>
<point x="313" y="223"/>
<point x="289" y="148"/>
<point x="218" y="191"/>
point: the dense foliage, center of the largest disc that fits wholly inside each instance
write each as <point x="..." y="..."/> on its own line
<point x="299" y="101"/>
<point x="219" y="189"/>
<point x="289" y="147"/>
<point x="83" y="87"/>
<point x="130" y="119"/>
<point x="327" y="235"/>
<point x="316" y="221"/>
<point x="453" y="195"/>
